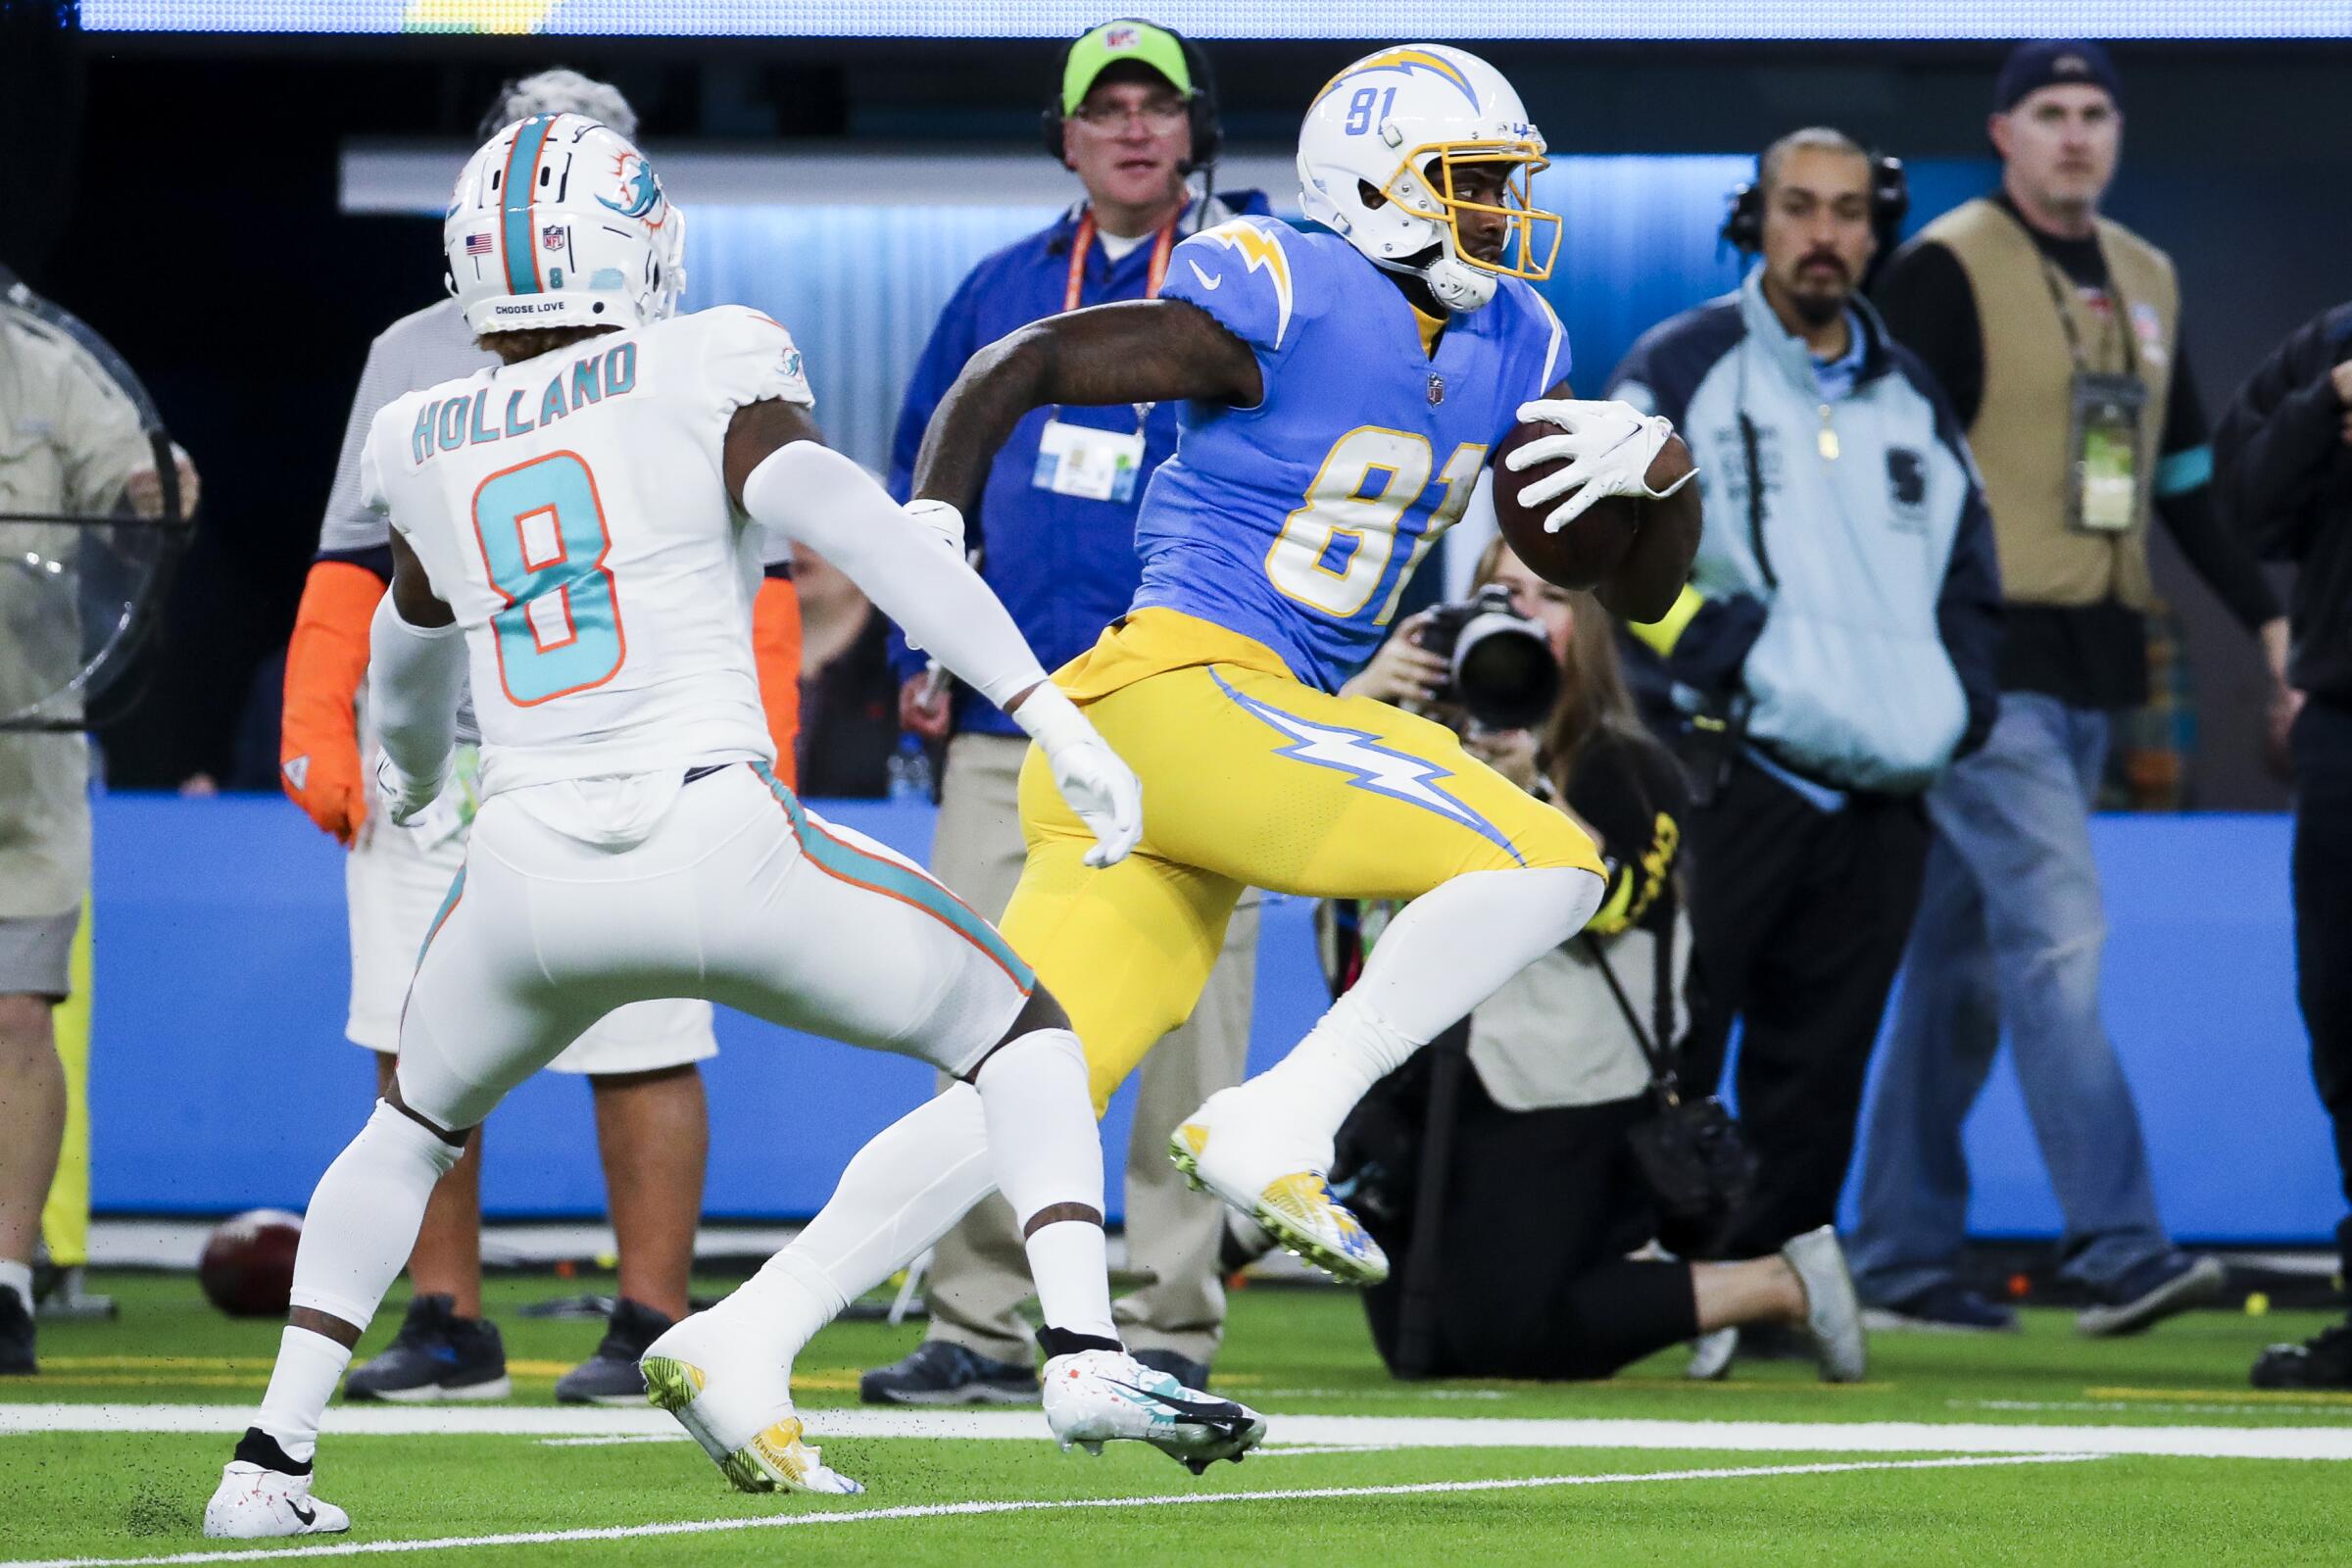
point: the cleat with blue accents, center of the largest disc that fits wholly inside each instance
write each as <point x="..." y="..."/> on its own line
<point x="1272" y="1178"/>
<point x="437" y="1357"/>
<point x="1097" y="1396"/>
<point x="738" y="1407"/>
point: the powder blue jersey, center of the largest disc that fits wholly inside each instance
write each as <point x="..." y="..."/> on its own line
<point x="1297" y="522"/>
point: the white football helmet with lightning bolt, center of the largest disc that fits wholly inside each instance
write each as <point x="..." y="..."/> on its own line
<point x="558" y="221"/>
<point x="1376" y="163"/>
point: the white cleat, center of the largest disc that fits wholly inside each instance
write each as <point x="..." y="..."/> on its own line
<point x="1711" y="1355"/>
<point x="1097" y="1396"/>
<point x="1833" y="1314"/>
<point x="1275" y="1176"/>
<point x="253" y="1503"/>
<point x="738" y="1409"/>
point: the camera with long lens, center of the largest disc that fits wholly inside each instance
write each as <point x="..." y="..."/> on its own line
<point x="1499" y="668"/>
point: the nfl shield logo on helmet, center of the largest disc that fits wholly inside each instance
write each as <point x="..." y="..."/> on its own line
<point x="551" y="237"/>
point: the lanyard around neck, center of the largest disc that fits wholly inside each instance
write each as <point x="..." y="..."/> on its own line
<point x="1084" y="241"/>
<point x="2119" y="311"/>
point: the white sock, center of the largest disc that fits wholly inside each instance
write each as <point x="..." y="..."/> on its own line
<point x="902" y="1193"/>
<point x="17" y="1277"/>
<point x="309" y="1366"/>
<point x="1447" y="951"/>
<point x="1048" y="1150"/>
<point x="364" y="1215"/>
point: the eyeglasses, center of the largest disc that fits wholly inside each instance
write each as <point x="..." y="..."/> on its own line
<point x="1160" y="114"/>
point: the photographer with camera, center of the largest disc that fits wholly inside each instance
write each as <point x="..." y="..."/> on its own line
<point x="1834" y="653"/>
<point x="1569" y="1105"/>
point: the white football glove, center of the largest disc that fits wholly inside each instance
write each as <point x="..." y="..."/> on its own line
<point x="1102" y="789"/>
<point x="1610" y="447"/>
<point x="404" y="798"/>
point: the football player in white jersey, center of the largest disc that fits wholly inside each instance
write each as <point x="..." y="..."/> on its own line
<point x="574" y="529"/>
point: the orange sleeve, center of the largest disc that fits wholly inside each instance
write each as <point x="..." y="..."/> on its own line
<point x="318" y="733"/>
<point x="776" y="650"/>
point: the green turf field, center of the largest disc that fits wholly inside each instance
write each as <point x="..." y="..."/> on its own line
<point x="2038" y="1448"/>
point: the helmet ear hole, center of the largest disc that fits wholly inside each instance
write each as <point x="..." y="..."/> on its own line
<point x="1371" y="195"/>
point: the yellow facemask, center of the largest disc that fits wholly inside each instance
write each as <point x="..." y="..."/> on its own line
<point x="1532" y="232"/>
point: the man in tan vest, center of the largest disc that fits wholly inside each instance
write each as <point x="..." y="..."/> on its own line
<point x="2057" y="335"/>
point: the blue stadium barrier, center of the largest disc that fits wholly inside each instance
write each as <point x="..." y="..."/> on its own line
<point x="221" y="1079"/>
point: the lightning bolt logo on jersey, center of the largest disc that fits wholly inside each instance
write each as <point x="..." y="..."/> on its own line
<point x="1298" y="523"/>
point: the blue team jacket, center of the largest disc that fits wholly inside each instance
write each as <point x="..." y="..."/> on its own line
<point x="1876" y="664"/>
<point x="1066" y="566"/>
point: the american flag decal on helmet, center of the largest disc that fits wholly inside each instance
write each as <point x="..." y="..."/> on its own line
<point x="478" y="244"/>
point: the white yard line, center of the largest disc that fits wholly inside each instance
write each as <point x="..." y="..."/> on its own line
<point x="2153" y="1406"/>
<point x="941" y="1510"/>
<point x="1415" y="1432"/>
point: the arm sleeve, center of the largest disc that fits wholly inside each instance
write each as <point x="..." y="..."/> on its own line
<point x="413" y="676"/>
<point x="319" y="731"/>
<point x="822" y="498"/>
<point x="2276" y="441"/>
<point x="1931" y="309"/>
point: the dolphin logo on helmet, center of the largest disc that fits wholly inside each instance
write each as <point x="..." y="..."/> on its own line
<point x="641" y="191"/>
<point x="1398" y="124"/>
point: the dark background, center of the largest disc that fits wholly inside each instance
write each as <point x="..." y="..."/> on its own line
<point x="179" y="194"/>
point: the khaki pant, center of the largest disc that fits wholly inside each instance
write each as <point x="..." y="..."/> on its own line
<point x="979" y="1275"/>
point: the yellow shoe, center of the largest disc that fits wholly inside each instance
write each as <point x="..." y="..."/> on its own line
<point x="1293" y="1205"/>
<point x="756" y="1446"/>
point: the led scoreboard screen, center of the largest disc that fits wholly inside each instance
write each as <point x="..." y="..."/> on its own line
<point x="1488" y="20"/>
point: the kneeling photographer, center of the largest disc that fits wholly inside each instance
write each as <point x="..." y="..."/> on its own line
<point x="1563" y="1104"/>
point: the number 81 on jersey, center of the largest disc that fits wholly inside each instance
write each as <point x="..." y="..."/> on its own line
<point x="1334" y="553"/>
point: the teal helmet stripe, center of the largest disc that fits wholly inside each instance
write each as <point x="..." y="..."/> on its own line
<point x="843" y="859"/>
<point x="518" y="190"/>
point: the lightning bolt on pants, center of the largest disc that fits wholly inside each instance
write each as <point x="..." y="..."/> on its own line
<point x="1250" y="779"/>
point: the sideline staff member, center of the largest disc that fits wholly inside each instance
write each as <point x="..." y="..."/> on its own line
<point x="2282" y="467"/>
<point x="1135" y="115"/>
<point x="1844" y="533"/>
<point x="2056" y="334"/>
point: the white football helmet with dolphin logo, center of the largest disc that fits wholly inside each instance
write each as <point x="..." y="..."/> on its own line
<point x="1396" y="123"/>
<point x="558" y="221"/>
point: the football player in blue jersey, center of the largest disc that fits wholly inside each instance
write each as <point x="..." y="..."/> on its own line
<point x="1341" y="392"/>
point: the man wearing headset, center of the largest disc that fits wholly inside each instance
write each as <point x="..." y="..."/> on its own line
<point x="652" y="1126"/>
<point x="1134" y="117"/>
<point x="1834" y="654"/>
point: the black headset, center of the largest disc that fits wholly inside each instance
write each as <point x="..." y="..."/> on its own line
<point x="1200" y="103"/>
<point x="1889" y="200"/>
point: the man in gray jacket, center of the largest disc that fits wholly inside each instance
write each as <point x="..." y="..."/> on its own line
<point x="1834" y="653"/>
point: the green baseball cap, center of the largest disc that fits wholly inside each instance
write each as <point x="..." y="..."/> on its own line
<point x="1112" y="43"/>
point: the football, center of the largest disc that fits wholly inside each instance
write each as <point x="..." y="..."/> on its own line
<point x="1585" y="553"/>
<point x="247" y="1269"/>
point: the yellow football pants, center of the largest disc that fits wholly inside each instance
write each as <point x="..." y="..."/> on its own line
<point x="1250" y="779"/>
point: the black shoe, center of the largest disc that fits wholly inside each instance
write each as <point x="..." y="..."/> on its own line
<point x="1192" y="1374"/>
<point x="2323" y="1361"/>
<point x="2149" y="1293"/>
<point x="611" y="1376"/>
<point x="1946" y="1308"/>
<point x="15" y="1337"/>
<point x="436" y="1356"/>
<point x="941" y="1373"/>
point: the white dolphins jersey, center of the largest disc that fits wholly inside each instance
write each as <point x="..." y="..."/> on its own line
<point x="573" y="511"/>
